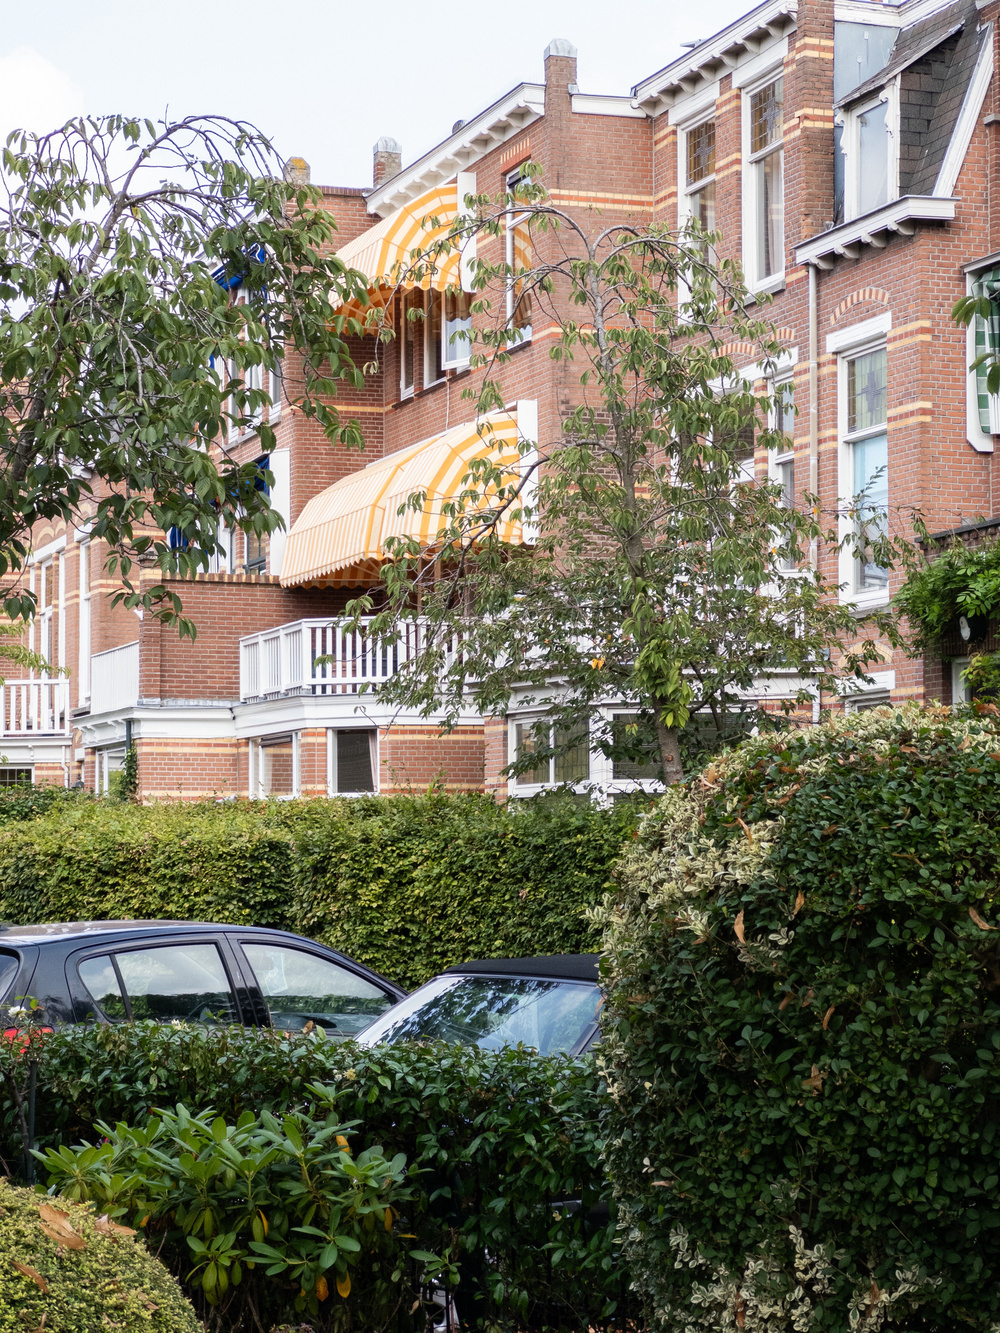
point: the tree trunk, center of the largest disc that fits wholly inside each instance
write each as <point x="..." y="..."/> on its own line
<point x="670" y="753"/>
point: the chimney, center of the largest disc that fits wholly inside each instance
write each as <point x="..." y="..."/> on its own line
<point x="388" y="160"/>
<point x="297" y="171"/>
<point x="560" y="65"/>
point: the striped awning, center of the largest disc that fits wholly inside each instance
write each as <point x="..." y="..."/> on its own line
<point x="385" y="253"/>
<point x="340" y="536"/>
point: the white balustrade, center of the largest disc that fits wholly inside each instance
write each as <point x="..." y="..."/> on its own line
<point x="35" y="707"/>
<point x="114" y="678"/>
<point x="283" y="660"/>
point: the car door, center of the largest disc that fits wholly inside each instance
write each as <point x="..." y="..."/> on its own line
<point x="304" y="988"/>
<point x="189" y="978"/>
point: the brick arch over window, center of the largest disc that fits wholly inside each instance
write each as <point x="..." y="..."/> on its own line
<point x="877" y="294"/>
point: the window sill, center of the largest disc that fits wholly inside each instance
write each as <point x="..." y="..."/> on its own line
<point x="861" y="603"/>
<point x="769" y="286"/>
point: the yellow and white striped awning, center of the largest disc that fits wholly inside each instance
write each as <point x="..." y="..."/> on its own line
<point x="386" y="252"/>
<point x="340" y="536"/>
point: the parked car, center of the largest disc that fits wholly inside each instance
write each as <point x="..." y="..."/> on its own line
<point x="110" y="971"/>
<point x="549" y="1003"/>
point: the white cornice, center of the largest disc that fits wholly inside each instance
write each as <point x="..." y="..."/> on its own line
<point x="873" y="229"/>
<point x="748" y="35"/>
<point x="498" y="123"/>
<point x="593" y="104"/>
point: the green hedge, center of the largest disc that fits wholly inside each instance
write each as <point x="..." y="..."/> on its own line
<point x="495" y="1137"/>
<point x="802" y="1035"/>
<point x="406" y="885"/>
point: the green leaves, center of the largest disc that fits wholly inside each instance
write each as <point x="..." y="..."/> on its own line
<point x="151" y="278"/>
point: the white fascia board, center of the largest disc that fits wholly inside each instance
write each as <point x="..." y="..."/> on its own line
<point x="19" y="753"/>
<point x="849" y="237"/>
<point x="961" y="135"/>
<point x="522" y="106"/>
<point x="592" y="104"/>
<point x="872" y="16"/>
<point x="296" y="712"/>
<point x="747" y="34"/>
<point x="212" y="721"/>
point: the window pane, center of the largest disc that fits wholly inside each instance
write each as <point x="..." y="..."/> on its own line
<point x="354" y="761"/>
<point x="701" y="152"/>
<point x="520" y="258"/>
<point x="177" y="981"/>
<point x="301" y="987"/>
<point x="770" y="215"/>
<point x="277" y="767"/>
<point x="527" y="744"/>
<point x="9" y="964"/>
<point x="765" y="116"/>
<point x="639" y="736"/>
<point x="491" y="1012"/>
<point x="784" y="415"/>
<point x="867" y="378"/>
<point x="14" y="777"/>
<point x="407" y="341"/>
<point x="573" y="765"/>
<point x="873" y="158"/>
<point x="786" y="479"/>
<point x="871" y="474"/>
<point x="101" y="980"/>
<point x="432" y="332"/>
<point x="744" y="453"/>
<point x="703" y="206"/>
<point x="457" y="323"/>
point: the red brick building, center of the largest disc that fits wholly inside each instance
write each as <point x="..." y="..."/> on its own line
<point x="844" y="149"/>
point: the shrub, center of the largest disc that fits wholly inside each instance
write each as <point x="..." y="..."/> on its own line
<point x="493" y="1137"/>
<point x="802" y="1037"/>
<point x="407" y="885"/>
<point x="270" y="1216"/>
<point x="65" y="1270"/>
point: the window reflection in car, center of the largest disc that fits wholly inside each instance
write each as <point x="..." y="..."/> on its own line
<point x="165" y="982"/>
<point x="491" y="1012"/>
<point x="300" y="988"/>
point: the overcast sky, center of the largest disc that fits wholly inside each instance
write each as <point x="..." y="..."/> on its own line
<point x="324" y="79"/>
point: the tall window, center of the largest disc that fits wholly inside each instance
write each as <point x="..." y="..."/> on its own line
<point x="456" y="324"/>
<point x="700" y="174"/>
<point x="873" y="157"/>
<point x="407" y="345"/>
<point x="517" y="257"/>
<point x="256" y="542"/>
<point x="766" y="182"/>
<point x="783" y="462"/>
<point x="867" y="443"/>
<point x="433" y="358"/>
<point x="83" y="655"/>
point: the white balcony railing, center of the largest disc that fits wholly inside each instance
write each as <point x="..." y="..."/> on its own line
<point x="282" y="661"/>
<point x="35" y="707"/>
<point x="114" y="678"/>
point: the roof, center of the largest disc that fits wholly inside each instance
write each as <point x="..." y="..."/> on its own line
<point x="10" y="934"/>
<point x="557" y="966"/>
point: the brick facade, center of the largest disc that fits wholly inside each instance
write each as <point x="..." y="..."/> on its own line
<point x="603" y="160"/>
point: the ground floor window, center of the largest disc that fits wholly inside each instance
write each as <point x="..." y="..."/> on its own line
<point x="15" y="777"/>
<point x="570" y="764"/>
<point x="352" y="761"/>
<point x="274" y="766"/>
<point x="110" y="766"/>
<point x="858" y="703"/>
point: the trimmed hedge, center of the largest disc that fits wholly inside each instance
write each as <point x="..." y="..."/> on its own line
<point x="495" y="1137"/>
<point x="802" y="1036"/>
<point x="407" y="885"/>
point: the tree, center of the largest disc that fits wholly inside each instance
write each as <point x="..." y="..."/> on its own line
<point x="663" y="576"/>
<point x="123" y="354"/>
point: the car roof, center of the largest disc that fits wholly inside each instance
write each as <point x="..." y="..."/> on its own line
<point x="35" y="934"/>
<point x="557" y="966"/>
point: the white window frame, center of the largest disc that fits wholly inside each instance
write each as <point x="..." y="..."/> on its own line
<point x="407" y="331"/>
<point x="276" y="390"/>
<point x="980" y="440"/>
<point x="512" y="220"/>
<point x="454" y="355"/>
<point x="255" y="775"/>
<point x="685" y="192"/>
<point x="331" y="762"/>
<point x="960" y="690"/>
<point x="776" y="458"/>
<point x="851" y="148"/>
<point x="857" y="340"/>
<point x="858" y="696"/>
<point x="516" y="787"/>
<point x="602" y="769"/>
<point x="430" y="297"/>
<point x="104" y="770"/>
<point x="751" y="236"/>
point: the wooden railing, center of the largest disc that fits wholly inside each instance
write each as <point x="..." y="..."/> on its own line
<point x="114" y="678"/>
<point x="35" y="707"/>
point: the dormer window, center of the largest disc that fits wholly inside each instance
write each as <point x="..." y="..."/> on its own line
<point x="871" y="154"/>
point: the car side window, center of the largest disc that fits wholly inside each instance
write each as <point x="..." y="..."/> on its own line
<point x="163" y="982"/>
<point x="101" y="980"/>
<point x="301" y="987"/>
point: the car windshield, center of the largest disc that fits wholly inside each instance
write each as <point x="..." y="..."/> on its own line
<point x="490" y="1012"/>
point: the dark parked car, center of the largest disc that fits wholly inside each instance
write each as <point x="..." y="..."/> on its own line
<point x="109" y="971"/>
<point x="548" y="1003"/>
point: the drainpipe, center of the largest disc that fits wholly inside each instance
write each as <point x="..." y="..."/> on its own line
<point x="814" y="432"/>
<point x="813" y="401"/>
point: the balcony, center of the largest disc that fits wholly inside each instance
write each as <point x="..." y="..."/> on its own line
<point x="34" y="708"/>
<point x="114" y="679"/>
<point x="282" y="661"/>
